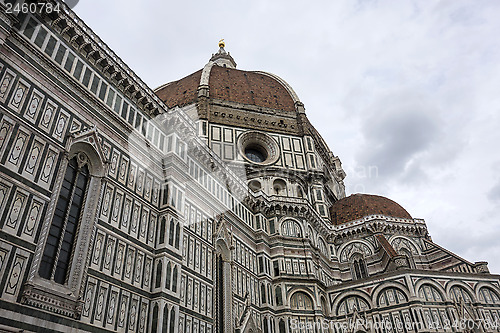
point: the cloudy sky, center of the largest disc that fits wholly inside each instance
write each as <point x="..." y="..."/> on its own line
<point x="406" y="93"/>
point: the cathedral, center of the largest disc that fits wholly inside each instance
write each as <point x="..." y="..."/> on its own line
<point x="207" y="205"/>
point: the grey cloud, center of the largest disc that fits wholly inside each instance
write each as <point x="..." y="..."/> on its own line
<point x="494" y="193"/>
<point x="398" y="130"/>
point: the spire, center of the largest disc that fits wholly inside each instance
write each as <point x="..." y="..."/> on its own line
<point x="223" y="58"/>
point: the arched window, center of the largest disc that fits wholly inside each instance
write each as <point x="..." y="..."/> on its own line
<point x="58" y="252"/>
<point x="177" y="235"/>
<point x="269" y="295"/>
<point x="159" y="268"/>
<point x="162" y="230"/>
<point x="279" y="298"/>
<point x="279" y="187"/>
<point x="174" y="280"/>
<point x="351" y="304"/>
<point x="165" y="319"/>
<point x="266" y="325"/>
<point x="300" y="193"/>
<point x="290" y="228"/>
<point x="391" y="296"/>
<point x="263" y="294"/>
<point x="458" y="294"/>
<point x="282" y="326"/>
<point x="429" y="294"/>
<point x="301" y="301"/>
<point x="154" y="320"/>
<point x="220" y="292"/>
<point x="488" y="296"/>
<point x="322" y="246"/>
<point x="168" y="276"/>
<point x="171" y="232"/>
<point x="358" y="267"/>
<point x="172" y="320"/>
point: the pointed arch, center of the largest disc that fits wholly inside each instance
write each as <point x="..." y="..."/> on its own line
<point x="281" y="325"/>
<point x="171" y="231"/>
<point x="68" y="228"/>
<point x="174" y="279"/>
<point x="163" y="226"/>
<point x="277" y="294"/>
<point x="177" y="235"/>
<point x="172" y="320"/>
<point x="358" y="266"/>
<point x="154" y="319"/>
<point x="159" y="271"/>
<point x="168" y="276"/>
<point x="223" y="283"/>
<point x="165" y="319"/>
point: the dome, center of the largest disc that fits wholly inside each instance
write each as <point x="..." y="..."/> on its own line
<point x="226" y="83"/>
<point x="232" y="85"/>
<point x="357" y="206"/>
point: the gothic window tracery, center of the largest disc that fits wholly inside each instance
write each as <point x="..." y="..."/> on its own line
<point x="400" y="243"/>
<point x="351" y="304"/>
<point x="301" y="301"/>
<point x="354" y="247"/>
<point x="391" y="296"/>
<point x="458" y="294"/>
<point x="488" y="296"/>
<point x="290" y="228"/>
<point x="59" y="246"/>
<point x="358" y="267"/>
<point x="429" y="293"/>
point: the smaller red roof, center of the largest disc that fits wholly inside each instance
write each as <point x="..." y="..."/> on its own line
<point x="357" y="206"/>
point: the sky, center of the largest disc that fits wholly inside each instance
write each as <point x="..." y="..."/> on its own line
<point x="406" y="93"/>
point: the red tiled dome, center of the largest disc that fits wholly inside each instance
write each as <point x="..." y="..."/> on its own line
<point x="181" y="92"/>
<point x="233" y="85"/>
<point x="357" y="206"/>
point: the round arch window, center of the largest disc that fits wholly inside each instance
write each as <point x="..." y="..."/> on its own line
<point x="258" y="148"/>
<point x="255" y="185"/>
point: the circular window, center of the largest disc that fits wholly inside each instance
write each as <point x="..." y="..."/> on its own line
<point x="258" y="148"/>
<point x="256" y="154"/>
